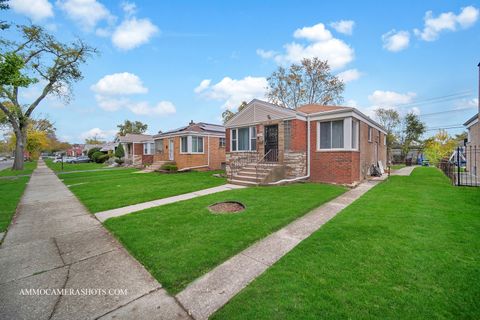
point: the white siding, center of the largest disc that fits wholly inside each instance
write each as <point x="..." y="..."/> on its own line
<point x="259" y="112"/>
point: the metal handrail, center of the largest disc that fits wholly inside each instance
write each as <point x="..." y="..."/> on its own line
<point x="273" y="152"/>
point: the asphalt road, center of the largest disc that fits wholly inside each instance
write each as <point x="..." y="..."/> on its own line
<point x="6" y="164"/>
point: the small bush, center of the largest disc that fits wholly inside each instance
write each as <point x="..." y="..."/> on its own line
<point x="119" y="152"/>
<point x="91" y="152"/>
<point x="169" y="167"/>
<point x="119" y="161"/>
<point x="96" y="155"/>
<point x="102" y="158"/>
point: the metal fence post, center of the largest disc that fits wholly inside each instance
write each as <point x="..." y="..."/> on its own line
<point x="458" y="166"/>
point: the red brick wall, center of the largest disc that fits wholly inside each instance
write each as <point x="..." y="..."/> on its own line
<point x="299" y="136"/>
<point x="332" y="166"/>
<point x="138" y="149"/>
<point x="147" y="159"/>
<point x="227" y="140"/>
<point x="185" y="160"/>
<point x="367" y="149"/>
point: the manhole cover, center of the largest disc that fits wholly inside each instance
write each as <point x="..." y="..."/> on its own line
<point x="226" y="207"/>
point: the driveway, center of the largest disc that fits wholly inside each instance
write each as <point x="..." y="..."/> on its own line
<point x="6" y="164"/>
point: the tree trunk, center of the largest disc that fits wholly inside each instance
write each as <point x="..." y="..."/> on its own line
<point x="21" y="137"/>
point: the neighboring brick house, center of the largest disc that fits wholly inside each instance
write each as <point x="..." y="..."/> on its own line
<point x="270" y="144"/>
<point x="472" y="150"/>
<point x="138" y="148"/>
<point x="75" y="151"/>
<point x="199" y="146"/>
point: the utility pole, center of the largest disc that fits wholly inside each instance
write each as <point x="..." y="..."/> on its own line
<point x="478" y="90"/>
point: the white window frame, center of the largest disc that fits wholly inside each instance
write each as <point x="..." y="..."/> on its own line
<point x="355" y="142"/>
<point x="384" y="139"/>
<point x="190" y="145"/>
<point x="252" y="135"/>
<point x="181" y="145"/>
<point x="331" y="136"/>
<point x="370" y="133"/>
<point x="148" y="148"/>
<point x="222" y="142"/>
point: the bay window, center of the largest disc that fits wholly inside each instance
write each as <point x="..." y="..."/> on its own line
<point x="197" y="144"/>
<point x="244" y="139"/>
<point x="184" y="145"/>
<point x="355" y="134"/>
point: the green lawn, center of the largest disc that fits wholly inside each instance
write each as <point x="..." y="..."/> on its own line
<point x="179" y="242"/>
<point x="408" y="249"/>
<point x="27" y="169"/>
<point x="57" y="167"/>
<point x="11" y="191"/>
<point x="109" y="189"/>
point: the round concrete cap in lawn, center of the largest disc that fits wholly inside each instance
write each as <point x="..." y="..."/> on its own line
<point x="226" y="207"/>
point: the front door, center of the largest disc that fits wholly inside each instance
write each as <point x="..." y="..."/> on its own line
<point x="271" y="143"/>
<point x="170" y="150"/>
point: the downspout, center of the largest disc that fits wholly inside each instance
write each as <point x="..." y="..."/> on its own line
<point x="308" y="160"/>
<point x="202" y="166"/>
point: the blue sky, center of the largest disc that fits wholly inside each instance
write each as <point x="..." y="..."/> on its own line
<point x="166" y="63"/>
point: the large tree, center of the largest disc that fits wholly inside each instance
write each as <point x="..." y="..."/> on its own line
<point x="311" y="81"/>
<point x="37" y="58"/>
<point x="131" y="127"/>
<point x="4" y="6"/>
<point x="390" y="120"/>
<point x="413" y="129"/>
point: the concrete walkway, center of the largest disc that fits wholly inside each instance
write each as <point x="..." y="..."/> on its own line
<point x="405" y="171"/>
<point x="210" y="292"/>
<point x="54" y="243"/>
<point x="104" y="215"/>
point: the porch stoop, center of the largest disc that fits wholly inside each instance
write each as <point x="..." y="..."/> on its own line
<point x="257" y="174"/>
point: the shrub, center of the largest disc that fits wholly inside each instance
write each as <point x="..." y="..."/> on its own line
<point x="119" y="161"/>
<point x="91" y="152"/>
<point x="102" y="158"/>
<point x="96" y="155"/>
<point x="169" y="167"/>
<point x="119" y="152"/>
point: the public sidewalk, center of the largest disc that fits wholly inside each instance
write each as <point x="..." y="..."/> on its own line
<point x="54" y="243"/>
<point x="210" y="292"/>
<point x="104" y="215"/>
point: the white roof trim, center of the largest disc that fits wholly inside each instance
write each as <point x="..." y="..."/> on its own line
<point x="344" y="114"/>
<point x="189" y="133"/>
<point x="472" y="123"/>
<point x="281" y="113"/>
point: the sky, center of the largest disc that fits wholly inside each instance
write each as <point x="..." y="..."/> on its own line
<point x="168" y="62"/>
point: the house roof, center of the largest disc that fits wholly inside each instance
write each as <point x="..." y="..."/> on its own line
<point x="109" y="146"/>
<point x="469" y="121"/>
<point x="314" y="108"/>
<point x="200" y="127"/>
<point x="135" y="138"/>
<point x="258" y="111"/>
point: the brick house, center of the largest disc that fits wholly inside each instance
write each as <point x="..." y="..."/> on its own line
<point x="472" y="153"/>
<point x="199" y="146"/>
<point x="138" y="148"/>
<point x="270" y="144"/>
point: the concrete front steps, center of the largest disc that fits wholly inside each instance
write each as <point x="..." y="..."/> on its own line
<point x="247" y="176"/>
<point x="155" y="166"/>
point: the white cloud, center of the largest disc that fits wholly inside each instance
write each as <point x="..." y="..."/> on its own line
<point x="466" y="103"/>
<point x="433" y="26"/>
<point x="163" y="108"/>
<point x="233" y="92"/>
<point x="351" y="103"/>
<point x="108" y="103"/>
<point x="321" y="44"/>
<point x="34" y="9"/>
<point x="124" y="83"/>
<point x="202" y="86"/>
<point x="129" y="8"/>
<point x="349" y="75"/>
<point x="414" y="110"/>
<point x="389" y="99"/>
<point x="98" y="133"/>
<point x="396" y="40"/>
<point x="86" y="13"/>
<point x="133" y="32"/>
<point x="343" y="26"/>
<point x="266" y="54"/>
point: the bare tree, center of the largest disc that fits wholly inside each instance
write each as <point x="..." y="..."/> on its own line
<point x="305" y="83"/>
<point x="38" y="58"/>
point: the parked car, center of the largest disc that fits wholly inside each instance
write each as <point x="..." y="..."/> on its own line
<point x="81" y="159"/>
<point x="69" y="159"/>
<point x="3" y="159"/>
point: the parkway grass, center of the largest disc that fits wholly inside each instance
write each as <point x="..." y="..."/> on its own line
<point x="109" y="189"/>
<point x="67" y="167"/>
<point x="28" y="168"/>
<point x="179" y="242"/>
<point x="408" y="249"/>
<point x="11" y="191"/>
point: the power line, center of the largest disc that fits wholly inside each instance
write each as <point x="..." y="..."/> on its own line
<point x="445" y="111"/>
<point x="448" y="97"/>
